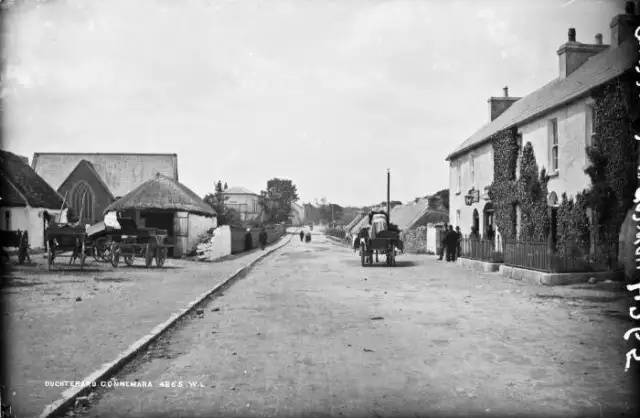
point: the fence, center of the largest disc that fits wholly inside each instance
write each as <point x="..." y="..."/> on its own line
<point x="480" y="249"/>
<point x="336" y="232"/>
<point x="570" y="257"/>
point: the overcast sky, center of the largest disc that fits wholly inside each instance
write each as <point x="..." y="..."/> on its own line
<point x="327" y="93"/>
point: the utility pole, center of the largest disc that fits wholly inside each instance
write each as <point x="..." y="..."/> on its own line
<point x="389" y="195"/>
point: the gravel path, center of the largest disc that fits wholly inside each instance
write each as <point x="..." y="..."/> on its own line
<point x="310" y="332"/>
<point x="64" y="324"/>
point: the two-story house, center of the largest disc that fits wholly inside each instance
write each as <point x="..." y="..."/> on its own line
<point x="243" y="202"/>
<point x="557" y="119"/>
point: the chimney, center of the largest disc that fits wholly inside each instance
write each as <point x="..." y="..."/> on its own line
<point x="573" y="54"/>
<point x="623" y="26"/>
<point x="497" y="105"/>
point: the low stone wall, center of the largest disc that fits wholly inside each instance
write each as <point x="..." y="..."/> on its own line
<point x="238" y="233"/>
<point x="478" y="265"/>
<point x="557" y="279"/>
<point x="415" y="240"/>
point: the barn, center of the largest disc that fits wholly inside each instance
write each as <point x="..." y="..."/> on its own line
<point x="162" y="202"/>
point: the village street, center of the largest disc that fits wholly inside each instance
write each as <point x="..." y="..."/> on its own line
<point x="310" y="331"/>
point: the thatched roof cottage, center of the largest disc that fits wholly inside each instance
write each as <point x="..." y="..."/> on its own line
<point x="164" y="203"/>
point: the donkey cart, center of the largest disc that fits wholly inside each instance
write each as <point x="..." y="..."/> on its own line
<point x="379" y="245"/>
<point x="65" y="239"/>
<point x="147" y="243"/>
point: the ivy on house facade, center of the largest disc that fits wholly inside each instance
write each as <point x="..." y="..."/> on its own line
<point x="613" y="157"/>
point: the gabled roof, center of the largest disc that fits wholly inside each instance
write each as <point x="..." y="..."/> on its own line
<point x="598" y="70"/>
<point x="120" y="172"/>
<point x="406" y="215"/>
<point x="22" y="186"/>
<point x="162" y="193"/>
<point x="238" y="190"/>
<point x="87" y="165"/>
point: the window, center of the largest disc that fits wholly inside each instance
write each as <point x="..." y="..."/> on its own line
<point x="459" y="179"/>
<point x="472" y="168"/>
<point x="553" y="140"/>
<point x="82" y="202"/>
<point x="458" y="217"/>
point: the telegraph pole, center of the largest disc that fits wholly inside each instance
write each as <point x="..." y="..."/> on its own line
<point x="389" y="195"/>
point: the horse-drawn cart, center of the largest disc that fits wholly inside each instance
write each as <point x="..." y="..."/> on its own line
<point x="64" y="239"/>
<point x="385" y="242"/>
<point x="129" y="242"/>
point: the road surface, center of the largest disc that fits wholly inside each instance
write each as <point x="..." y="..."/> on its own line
<point x="310" y="332"/>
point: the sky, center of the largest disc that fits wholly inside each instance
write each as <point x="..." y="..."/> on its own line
<point x="327" y="93"/>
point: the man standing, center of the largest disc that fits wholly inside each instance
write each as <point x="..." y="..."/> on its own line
<point x="443" y="239"/>
<point x="451" y="241"/>
<point x="263" y="239"/>
<point x="459" y="242"/>
<point x="301" y="235"/>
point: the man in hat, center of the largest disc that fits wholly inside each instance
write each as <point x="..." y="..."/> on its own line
<point x="301" y="235"/>
<point x="263" y="238"/>
<point x="443" y="237"/>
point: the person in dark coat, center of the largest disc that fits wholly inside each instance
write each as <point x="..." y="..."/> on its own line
<point x="248" y="240"/>
<point x="443" y="240"/>
<point x="459" y="242"/>
<point x="301" y="235"/>
<point x="263" y="238"/>
<point x="308" y="237"/>
<point x="451" y="241"/>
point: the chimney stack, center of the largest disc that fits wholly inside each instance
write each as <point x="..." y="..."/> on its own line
<point x="573" y="54"/>
<point x="497" y="105"/>
<point x="623" y="26"/>
<point x="599" y="39"/>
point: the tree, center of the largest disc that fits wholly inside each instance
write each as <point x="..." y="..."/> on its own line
<point x="217" y="202"/>
<point x="443" y="197"/>
<point x="277" y="199"/>
<point x="331" y="212"/>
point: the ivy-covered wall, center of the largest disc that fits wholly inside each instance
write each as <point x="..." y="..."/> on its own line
<point x="613" y="157"/>
<point x="528" y="190"/>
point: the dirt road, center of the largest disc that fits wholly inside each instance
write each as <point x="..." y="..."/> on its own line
<point x="309" y="331"/>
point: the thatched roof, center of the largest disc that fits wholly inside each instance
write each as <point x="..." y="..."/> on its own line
<point x="21" y="186"/>
<point x="162" y="193"/>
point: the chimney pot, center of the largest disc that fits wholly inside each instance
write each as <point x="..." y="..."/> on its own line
<point x="599" y="39"/>
<point x="506" y="91"/>
<point x="629" y="8"/>
<point x="572" y="35"/>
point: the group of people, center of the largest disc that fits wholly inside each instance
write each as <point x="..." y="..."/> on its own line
<point x="248" y="239"/>
<point x="451" y="243"/>
<point x="303" y="236"/>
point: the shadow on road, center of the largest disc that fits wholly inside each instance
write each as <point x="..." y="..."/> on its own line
<point x="381" y="263"/>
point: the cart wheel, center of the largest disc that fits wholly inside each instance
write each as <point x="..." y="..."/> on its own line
<point x="148" y="256"/>
<point x="115" y="255"/>
<point x="362" y="258"/>
<point x="129" y="259"/>
<point x="161" y="256"/>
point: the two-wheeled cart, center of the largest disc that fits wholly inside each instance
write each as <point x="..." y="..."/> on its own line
<point x="146" y="243"/>
<point x="63" y="238"/>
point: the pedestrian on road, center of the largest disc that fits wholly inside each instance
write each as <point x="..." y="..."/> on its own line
<point x="451" y="241"/>
<point x="308" y="237"/>
<point x="248" y="240"/>
<point x="443" y="239"/>
<point x="263" y="238"/>
<point x="459" y="242"/>
<point x="301" y="235"/>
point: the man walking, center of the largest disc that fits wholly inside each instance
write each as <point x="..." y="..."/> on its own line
<point x="263" y="239"/>
<point x="458" y="242"/>
<point x="443" y="239"/>
<point x="301" y="235"/>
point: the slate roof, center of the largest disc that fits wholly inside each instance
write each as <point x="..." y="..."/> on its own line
<point x="22" y="186"/>
<point x="238" y="190"/>
<point x="598" y="70"/>
<point x="406" y="215"/>
<point x="163" y="193"/>
<point x="120" y="172"/>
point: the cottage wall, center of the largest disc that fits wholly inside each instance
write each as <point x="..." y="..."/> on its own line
<point x="198" y="225"/>
<point x="26" y="219"/>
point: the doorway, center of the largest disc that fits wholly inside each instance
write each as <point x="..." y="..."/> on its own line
<point x="160" y="220"/>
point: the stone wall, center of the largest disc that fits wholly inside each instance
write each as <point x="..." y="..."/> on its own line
<point x="415" y="240"/>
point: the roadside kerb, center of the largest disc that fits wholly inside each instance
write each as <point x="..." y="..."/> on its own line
<point x="69" y="396"/>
